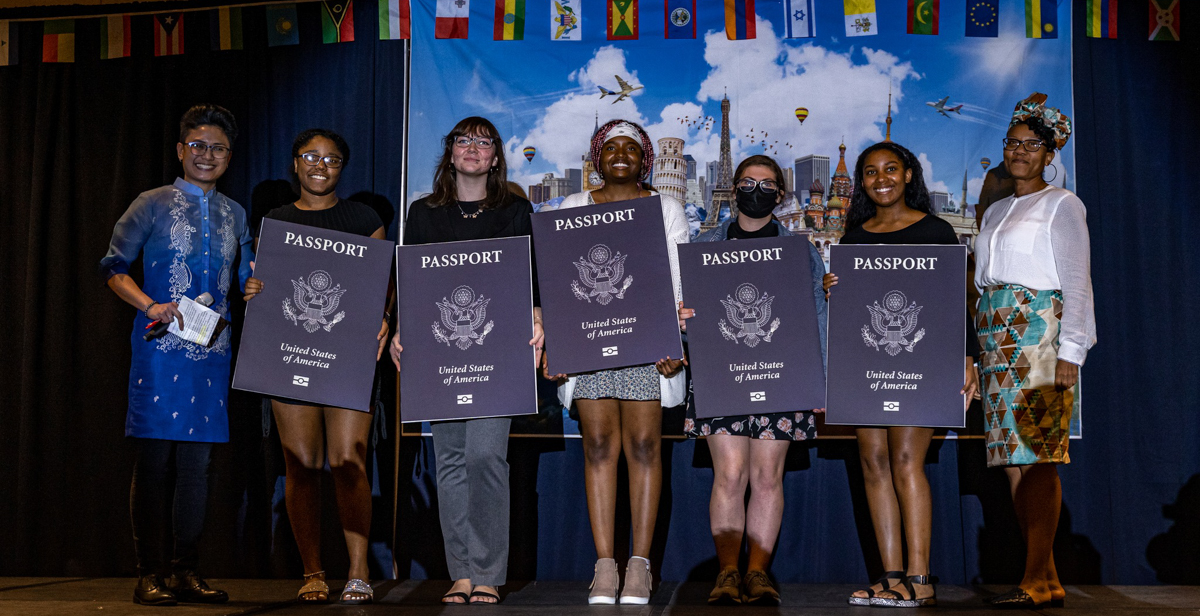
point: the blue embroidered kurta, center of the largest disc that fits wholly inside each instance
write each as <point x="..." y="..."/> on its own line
<point x="190" y="242"/>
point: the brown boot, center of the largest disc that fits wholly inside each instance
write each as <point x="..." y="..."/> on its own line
<point x="637" y="582"/>
<point x="605" y="583"/>
<point x="728" y="589"/>
<point x="759" y="590"/>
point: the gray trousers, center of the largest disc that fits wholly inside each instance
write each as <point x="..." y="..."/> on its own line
<point x="472" y="486"/>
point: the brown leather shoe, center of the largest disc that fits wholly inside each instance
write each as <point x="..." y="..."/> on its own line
<point x="191" y="588"/>
<point x="759" y="590"/>
<point x="728" y="589"/>
<point x="151" y="591"/>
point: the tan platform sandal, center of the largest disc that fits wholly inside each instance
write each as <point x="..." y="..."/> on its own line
<point x="315" y="590"/>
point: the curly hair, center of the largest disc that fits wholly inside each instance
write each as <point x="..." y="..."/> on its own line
<point x="445" y="188"/>
<point x="601" y="136"/>
<point x="1043" y="132"/>
<point x="916" y="196"/>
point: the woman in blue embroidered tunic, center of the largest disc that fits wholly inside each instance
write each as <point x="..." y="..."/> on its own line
<point x="191" y="238"/>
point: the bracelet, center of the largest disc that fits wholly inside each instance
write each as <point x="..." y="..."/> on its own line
<point x="146" y="310"/>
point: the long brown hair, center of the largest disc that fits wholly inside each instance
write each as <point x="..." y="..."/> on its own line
<point x="445" y="190"/>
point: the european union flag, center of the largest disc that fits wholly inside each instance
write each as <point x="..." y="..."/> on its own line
<point x="681" y="19"/>
<point x="281" y="25"/>
<point x="983" y="18"/>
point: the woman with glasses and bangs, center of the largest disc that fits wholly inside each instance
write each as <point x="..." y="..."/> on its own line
<point x="310" y="433"/>
<point x="471" y="201"/>
<point x="891" y="205"/>
<point x="1033" y="265"/>
<point x="749" y="450"/>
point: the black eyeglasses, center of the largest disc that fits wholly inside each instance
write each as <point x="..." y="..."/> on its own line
<point x="311" y="159"/>
<point x="198" y="148"/>
<point x="749" y="184"/>
<point x="1030" y="145"/>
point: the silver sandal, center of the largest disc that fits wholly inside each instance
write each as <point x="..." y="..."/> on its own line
<point x="357" y="587"/>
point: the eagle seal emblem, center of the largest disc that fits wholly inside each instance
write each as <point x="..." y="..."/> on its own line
<point x="893" y="322"/>
<point x="313" y="301"/>
<point x="462" y="314"/>
<point x="603" y="273"/>
<point x="748" y="313"/>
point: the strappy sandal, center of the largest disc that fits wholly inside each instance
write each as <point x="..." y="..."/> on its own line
<point x="357" y="587"/>
<point x="315" y="590"/>
<point x="892" y="597"/>
<point x="882" y="581"/>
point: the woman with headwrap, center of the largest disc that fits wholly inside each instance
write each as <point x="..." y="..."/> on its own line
<point x="621" y="410"/>
<point x="1035" y="324"/>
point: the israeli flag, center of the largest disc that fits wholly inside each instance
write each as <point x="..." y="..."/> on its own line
<point x="798" y="15"/>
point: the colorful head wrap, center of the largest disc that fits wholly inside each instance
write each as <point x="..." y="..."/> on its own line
<point x="1034" y="106"/>
<point x="622" y="128"/>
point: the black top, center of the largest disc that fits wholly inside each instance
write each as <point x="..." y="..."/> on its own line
<point x="427" y="224"/>
<point x="347" y="216"/>
<point x="928" y="230"/>
<point x="736" y="232"/>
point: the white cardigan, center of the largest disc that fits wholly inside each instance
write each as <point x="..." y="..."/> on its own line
<point x="674" y="389"/>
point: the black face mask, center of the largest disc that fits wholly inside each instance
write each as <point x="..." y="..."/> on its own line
<point x="756" y="203"/>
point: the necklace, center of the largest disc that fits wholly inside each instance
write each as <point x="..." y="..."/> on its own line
<point x="472" y="215"/>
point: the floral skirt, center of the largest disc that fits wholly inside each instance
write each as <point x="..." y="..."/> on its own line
<point x="1027" y="420"/>
<point x="795" y="426"/>
<point x="633" y="383"/>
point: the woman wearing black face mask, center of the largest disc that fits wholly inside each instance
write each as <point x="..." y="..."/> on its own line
<point x="750" y="449"/>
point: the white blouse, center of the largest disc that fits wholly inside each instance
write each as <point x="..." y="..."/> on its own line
<point x="1040" y="241"/>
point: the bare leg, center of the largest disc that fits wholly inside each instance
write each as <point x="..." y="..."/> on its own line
<point x="347" y="432"/>
<point x="641" y="436"/>
<point x="1037" y="498"/>
<point x="600" y="426"/>
<point x="302" y="434"/>
<point x="765" y="513"/>
<point x="726" y="507"/>
<point x="881" y="498"/>
<point x="908" y="447"/>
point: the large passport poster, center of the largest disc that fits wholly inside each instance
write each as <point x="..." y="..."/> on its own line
<point x="311" y="333"/>
<point x="897" y="335"/>
<point x="465" y="321"/>
<point x="754" y="345"/>
<point x="605" y="283"/>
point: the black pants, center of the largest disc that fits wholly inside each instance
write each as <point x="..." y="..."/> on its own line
<point x="168" y="474"/>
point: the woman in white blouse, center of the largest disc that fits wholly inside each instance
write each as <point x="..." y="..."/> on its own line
<point x="1035" y="324"/>
<point x="621" y="410"/>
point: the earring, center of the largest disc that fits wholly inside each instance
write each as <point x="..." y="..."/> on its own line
<point x="1051" y="177"/>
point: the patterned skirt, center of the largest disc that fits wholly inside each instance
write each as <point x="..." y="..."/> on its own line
<point x="797" y="426"/>
<point x="1027" y="420"/>
<point x="633" y="383"/>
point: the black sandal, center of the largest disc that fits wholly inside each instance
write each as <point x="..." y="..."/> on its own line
<point x="895" y="599"/>
<point x="455" y="595"/>
<point x="882" y="581"/>
<point x="480" y="593"/>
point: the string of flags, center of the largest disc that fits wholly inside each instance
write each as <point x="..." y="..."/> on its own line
<point x="622" y="19"/>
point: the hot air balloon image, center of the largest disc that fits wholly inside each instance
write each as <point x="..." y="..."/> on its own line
<point x="985" y="162"/>
<point x="801" y="114"/>
<point x="529" y="152"/>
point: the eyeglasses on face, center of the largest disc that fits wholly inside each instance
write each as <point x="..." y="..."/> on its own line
<point x="483" y="143"/>
<point x="749" y="184"/>
<point x="198" y="148"/>
<point x="312" y="158"/>
<point x="1030" y="145"/>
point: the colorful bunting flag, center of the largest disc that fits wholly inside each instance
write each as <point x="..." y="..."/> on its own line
<point x="337" y="21"/>
<point x="798" y="15"/>
<point x="739" y="19"/>
<point x="1041" y="19"/>
<point x="58" y="40"/>
<point x="168" y="34"/>
<point x="983" y="18"/>
<point x="451" y="19"/>
<point x="395" y="20"/>
<point x="225" y="28"/>
<point x="510" y="20"/>
<point x="860" y="18"/>
<point x="565" y="21"/>
<point x="115" y="37"/>
<point x="622" y="20"/>
<point x="282" y="26"/>
<point x="680" y="19"/>
<point x="8" y="43"/>
<point x="1164" y="20"/>
<point x="923" y="16"/>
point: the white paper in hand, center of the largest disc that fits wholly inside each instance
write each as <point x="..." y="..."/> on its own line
<point x="199" y="322"/>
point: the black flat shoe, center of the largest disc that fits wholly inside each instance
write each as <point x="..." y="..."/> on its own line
<point x="191" y="588"/>
<point x="1016" y="599"/>
<point x="151" y="591"/>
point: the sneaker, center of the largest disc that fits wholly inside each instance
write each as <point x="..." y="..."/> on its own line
<point x="728" y="589"/>
<point x="637" y="582"/>
<point x="605" y="583"/>
<point x="759" y="590"/>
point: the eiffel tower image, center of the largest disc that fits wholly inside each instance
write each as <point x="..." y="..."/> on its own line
<point x="722" y="195"/>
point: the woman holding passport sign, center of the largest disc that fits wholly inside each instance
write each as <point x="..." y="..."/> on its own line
<point x="1036" y="324"/>
<point x="621" y="410"/>
<point x="310" y="434"/>
<point x="891" y="205"/>
<point x="471" y="201"/>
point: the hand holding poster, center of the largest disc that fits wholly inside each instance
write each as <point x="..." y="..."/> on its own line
<point x="897" y="335"/>
<point x="465" y="321"/>
<point x="311" y="334"/>
<point x="606" y="289"/>
<point x="754" y="343"/>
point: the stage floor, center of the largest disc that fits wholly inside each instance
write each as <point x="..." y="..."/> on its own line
<point x="112" y="597"/>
